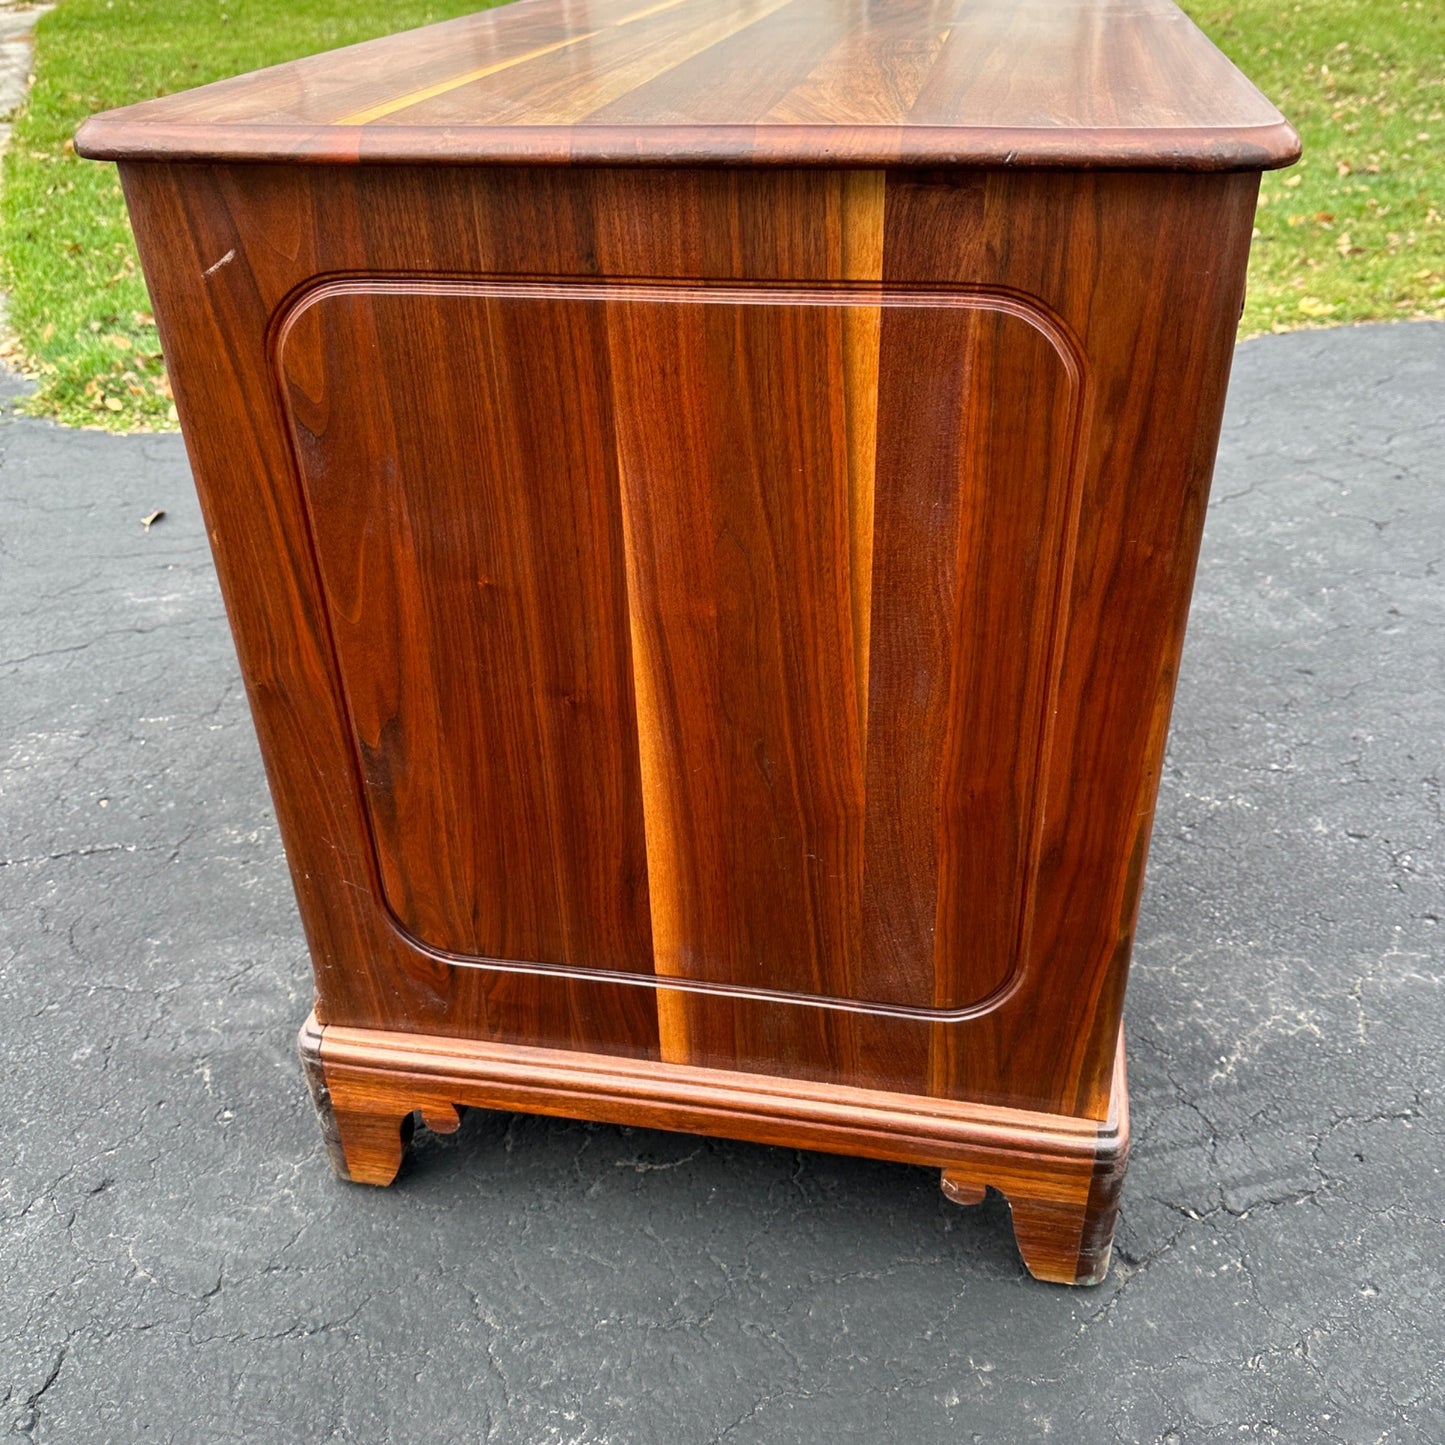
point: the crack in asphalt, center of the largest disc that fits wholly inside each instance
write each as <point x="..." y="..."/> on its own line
<point x="176" y="1264"/>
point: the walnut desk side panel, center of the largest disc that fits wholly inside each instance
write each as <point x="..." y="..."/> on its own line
<point x="1054" y="345"/>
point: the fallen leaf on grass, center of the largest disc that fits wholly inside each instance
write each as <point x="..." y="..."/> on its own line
<point x="1313" y="306"/>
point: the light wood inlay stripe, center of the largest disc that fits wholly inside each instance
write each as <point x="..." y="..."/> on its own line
<point x="455" y="82"/>
<point x="862" y="232"/>
<point x="651" y="10"/>
<point x="659" y="824"/>
<point x="614" y="62"/>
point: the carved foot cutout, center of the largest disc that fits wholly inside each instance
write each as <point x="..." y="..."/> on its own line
<point x="962" y="1191"/>
<point x="1062" y="1177"/>
<point x="372" y="1144"/>
<point x="441" y="1118"/>
<point x="1048" y="1237"/>
<point x="365" y="1137"/>
<point x="1062" y="1243"/>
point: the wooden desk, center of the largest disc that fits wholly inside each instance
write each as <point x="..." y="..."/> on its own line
<point x="706" y="495"/>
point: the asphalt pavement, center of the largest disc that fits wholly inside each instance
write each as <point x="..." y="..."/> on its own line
<point x="178" y="1265"/>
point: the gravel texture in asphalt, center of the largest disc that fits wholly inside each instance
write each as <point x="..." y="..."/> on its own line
<point x="177" y="1264"/>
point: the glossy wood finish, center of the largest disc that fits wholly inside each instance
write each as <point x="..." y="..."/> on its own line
<point x="515" y="772"/>
<point x="880" y="834"/>
<point x="1074" y="83"/>
<point x="1132" y="320"/>
<point x="1061" y="1176"/>
<point x="713" y="627"/>
<point x="377" y="648"/>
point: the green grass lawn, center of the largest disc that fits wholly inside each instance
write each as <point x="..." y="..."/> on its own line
<point x="79" y="314"/>
<point x="1354" y="233"/>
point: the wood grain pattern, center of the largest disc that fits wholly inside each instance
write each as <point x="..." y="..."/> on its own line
<point x="860" y="227"/>
<point x="469" y="540"/>
<point x="1074" y="83"/>
<point x="962" y="639"/>
<point x="711" y="628"/>
<point x="1060" y="1175"/>
<point x="470" y="544"/>
<point x="1122" y="568"/>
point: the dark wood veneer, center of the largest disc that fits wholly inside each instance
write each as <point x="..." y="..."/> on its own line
<point x="1123" y="84"/>
<point x="711" y="619"/>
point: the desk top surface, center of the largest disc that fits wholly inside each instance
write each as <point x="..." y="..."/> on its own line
<point x="1063" y="83"/>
